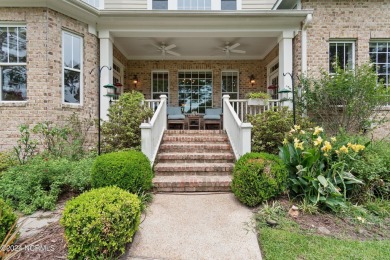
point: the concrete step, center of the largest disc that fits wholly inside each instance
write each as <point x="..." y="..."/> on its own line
<point x="191" y="183"/>
<point x="194" y="147"/>
<point x="217" y="157"/>
<point x="221" y="138"/>
<point x="193" y="169"/>
<point x="195" y="132"/>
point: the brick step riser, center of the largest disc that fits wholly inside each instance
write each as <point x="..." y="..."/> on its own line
<point x="193" y="173"/>
<point x="183" y="168"/>
<point x="196" y="161"/>
<point x="207" y="139"/>
<point x="194" y="149"/>
<point x="193" y="189"/>
<point x="194" y="132"/>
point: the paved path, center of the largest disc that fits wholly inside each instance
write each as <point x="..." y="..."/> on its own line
<point x="195" y="226"/>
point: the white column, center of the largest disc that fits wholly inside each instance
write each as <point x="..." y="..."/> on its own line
<point x="286" y="63"/>
<point x="106" y="59"/>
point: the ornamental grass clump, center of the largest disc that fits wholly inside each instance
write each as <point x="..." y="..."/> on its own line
<point x="320" y="167"/>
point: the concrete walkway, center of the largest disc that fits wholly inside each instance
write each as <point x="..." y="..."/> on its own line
<point x="195" y="226"/>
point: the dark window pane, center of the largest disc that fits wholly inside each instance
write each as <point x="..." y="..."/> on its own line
<point x="67" y="50"/>
<point x="228" y="5"/>
<point x="14" y="83"/>
<point x="22" y="44"/>
<point x="72" y="86"/>
<point x="373" y="47"/>
<point x="332" y="57"/>
<point x="160" y="5"/>
<point x="382" y="57"/>
<point x="382" y="47"/>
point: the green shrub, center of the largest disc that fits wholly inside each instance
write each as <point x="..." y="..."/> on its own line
<point x="270" y="127"/>
<point x="347" y="99"/>
<point x="129" y="170"/>
<point x="7" y="219"/>
<point x="258" y="177"/>
<point x="122" y="130"/>
<point x="100" y="222"/>
<point x="38" y="183"/>
<point x="6" y="160"/>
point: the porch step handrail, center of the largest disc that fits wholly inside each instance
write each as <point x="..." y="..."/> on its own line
<point x="153" y="131"/>
<point x="239" y="133"/>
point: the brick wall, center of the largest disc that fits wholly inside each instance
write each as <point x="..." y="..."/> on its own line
<point x="357" y="20"/>
<point x="143" y="70"/>
<point x="44" y="73"/>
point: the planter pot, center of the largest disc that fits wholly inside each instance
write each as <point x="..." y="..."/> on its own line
<point x="256" y="102"/>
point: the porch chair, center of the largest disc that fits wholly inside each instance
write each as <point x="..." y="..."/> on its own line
<point x="175" y="117"/>
<point x="212" y="116"/>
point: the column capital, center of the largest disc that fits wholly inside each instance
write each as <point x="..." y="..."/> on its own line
<point x="105" y="34"/>
<point x="286" y="35"/>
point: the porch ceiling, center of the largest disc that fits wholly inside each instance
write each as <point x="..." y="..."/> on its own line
<point x="195" y="48"/>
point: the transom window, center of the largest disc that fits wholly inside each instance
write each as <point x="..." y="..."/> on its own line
<point x="230" y="84"/>
<point x="194" y="5"/>
<point x="228" y="5"/>
<point x="94" y="3"/>
<point x="380" y="57"/>
<point x="72" y="67"/>
<point x="341" y="55"/>
<point x="195" y="91"/>
<point x="160" y="4"/>
<point x="160" y="84"/>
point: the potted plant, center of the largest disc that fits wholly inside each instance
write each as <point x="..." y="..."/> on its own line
<point x="258" y="98"/>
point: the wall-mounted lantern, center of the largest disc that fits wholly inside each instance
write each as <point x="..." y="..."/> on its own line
<point x="252" y="79"/>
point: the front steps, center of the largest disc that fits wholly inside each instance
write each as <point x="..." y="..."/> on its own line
<point x="194" y="160"/>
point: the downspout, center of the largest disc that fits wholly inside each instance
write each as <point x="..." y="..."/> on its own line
<point x="305" y="24"/>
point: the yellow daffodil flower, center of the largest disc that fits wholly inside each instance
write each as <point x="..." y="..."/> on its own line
<point x="327" y="147"/>
<point x="333" y="139"/>
<point x="318" y="141"/>
<point x="357" y="147"/>
<point x="285" y="141"/>
<point x="343" y="149"/>
<point x="297" y="127"/>
<point x="318" y="130"/>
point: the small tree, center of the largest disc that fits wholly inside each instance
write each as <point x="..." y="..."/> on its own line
<point x="122" y="130"/>
<point x="348" y="99"/>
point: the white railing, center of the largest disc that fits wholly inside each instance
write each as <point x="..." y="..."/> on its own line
<point x="239" y="133"/>
<point x="243" y="109"/>
<point x="152" y="132"/>
<point x="152" y="104"/>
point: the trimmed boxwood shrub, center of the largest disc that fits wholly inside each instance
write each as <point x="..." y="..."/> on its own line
<point x="7" y="219"/>
<point x="258" y="177"/>
<point x="129" y="170"/>
<point x="99" y="223"/>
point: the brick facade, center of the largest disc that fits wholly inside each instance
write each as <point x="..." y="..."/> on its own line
<point x="44" y="73"/>
<point x="358" y="20"/>
<point x="143" y="70"/>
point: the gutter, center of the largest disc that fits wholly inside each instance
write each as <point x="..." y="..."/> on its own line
<point x="306" y="23"/>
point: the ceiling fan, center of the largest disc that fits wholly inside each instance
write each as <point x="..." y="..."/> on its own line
<point x="231" y="49"/>
<point x="167" y="49"/>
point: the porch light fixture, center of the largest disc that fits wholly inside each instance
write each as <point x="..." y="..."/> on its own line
<point x="135" y="81"/>
<point x="252" y="79"/>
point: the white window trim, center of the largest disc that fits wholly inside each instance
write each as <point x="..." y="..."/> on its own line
<point x="270" y="74"/>
<point x="13" y="24"/>
<point x="343" y="41"/>
<point x="238" y="82"/>
<point x="151" y="82"/>
<point x="121" y="74"/>
<point x="192" y="70"/>
<point x="81" y="71"/>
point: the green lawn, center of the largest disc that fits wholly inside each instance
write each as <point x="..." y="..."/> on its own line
<point x="281" y="244"/>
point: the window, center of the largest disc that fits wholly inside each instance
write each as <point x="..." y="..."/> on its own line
<point x="117" y="77"/>
<point x="94" y="3"/>
<point x="72" y="68"/>
<point x="13" y="54"/>
<point x="194" y="5"/>
<point x="228" y="5"/>
<point x="160" y="5"/>
<point x="342" y="55"/>
<point x="160" y="84"/>
<point x="380" y="56"/>
<point x="273" y="79"/>
<point x="230" y="84"/>
<point x="195" y="91"/>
